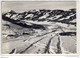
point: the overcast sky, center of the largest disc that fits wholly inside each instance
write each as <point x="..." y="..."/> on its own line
<point x="24" y="6"/>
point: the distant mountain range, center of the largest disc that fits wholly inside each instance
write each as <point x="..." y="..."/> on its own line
<point x="41" y="15"/>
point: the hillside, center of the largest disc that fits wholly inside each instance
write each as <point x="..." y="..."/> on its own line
<point x="41" y="31"/>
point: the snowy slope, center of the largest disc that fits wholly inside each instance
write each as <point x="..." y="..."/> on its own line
<point x="39" y="32"/>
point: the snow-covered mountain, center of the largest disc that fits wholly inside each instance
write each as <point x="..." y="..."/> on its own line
<point x="40" y="31"/>
<point x="67" y="17"/>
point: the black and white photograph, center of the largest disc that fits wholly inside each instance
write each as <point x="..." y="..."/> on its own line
<point x="38" y="27"/>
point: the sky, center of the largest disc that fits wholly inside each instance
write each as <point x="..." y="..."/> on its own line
<point x="24" y="6"/>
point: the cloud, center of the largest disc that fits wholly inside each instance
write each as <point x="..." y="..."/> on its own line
<point x="24" y="6"/>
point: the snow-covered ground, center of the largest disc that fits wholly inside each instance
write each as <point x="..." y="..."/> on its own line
<point x="56" y="38"/>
